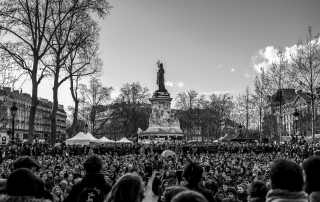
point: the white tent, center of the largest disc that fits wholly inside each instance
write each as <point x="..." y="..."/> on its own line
<point x="92" y="139"/>
<point x="80" y="138"/>
<point x="106" y="140"/>
<point x="124" y="140"/>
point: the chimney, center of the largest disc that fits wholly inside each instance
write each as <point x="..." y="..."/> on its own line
<point x="20" y="91"/>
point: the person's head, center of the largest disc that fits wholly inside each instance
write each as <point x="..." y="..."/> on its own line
<point x="190" y="196"/>
<point x="240" y="189"/>
<point x="128" y="188"/>
<point x="225" y="187"/>
<point x="26" y="162"/>
<point x="22" y="182"/>
<point x="56" y="191"/>
<point x="311" y="168"/>
<point x="192" y="173"/>
<point x="158" y="175"/>
<point x="258" y="189"/>
<point x="93" y="164"/>
<point x="220" y="195"/>
<point x="287" y="175"/>
<point x="171" y="192"/>
<point x="232" y="193"/>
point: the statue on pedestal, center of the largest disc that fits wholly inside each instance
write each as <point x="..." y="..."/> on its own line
<point x="160" y="78"/>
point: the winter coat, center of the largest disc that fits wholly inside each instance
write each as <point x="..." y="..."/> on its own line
<point x="89" y="180"/>
<point x="277" y="195"/>
<point x="155" y="185"/>
<point x="314" y="197"/>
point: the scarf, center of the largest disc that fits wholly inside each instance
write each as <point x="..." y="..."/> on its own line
<point x="280" y="195"/>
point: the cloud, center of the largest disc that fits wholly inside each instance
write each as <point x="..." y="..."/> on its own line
<point x="179" y="84"/>
<point x="264" y="58"/>
<point x="215" y="92"/>
<point x="247" y="75"/>
<point x="232" y="70"/>
<point x="168" y="83"/>
<point x="219" y="66"/>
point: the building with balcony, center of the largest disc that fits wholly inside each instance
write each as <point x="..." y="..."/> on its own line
<point x="285" y="102"/>
<point x="42" y="119"/>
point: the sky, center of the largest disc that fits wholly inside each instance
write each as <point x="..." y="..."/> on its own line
<point x="211" y="46"/>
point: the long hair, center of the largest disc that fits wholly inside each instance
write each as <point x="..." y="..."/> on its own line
<point x="171" y="192"/>
<point x="6" y="198"/>
<point x="311" y="168"/>
<point x="128" y="188"/>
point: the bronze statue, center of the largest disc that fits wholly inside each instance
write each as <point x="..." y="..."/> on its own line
<point x="160" y="78"/>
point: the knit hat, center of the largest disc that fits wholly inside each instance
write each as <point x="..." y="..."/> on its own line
<point x="22" y="182"/>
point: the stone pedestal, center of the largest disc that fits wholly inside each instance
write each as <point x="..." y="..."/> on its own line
<point x="162" y="121"/>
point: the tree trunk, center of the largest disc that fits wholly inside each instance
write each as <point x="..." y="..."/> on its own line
<point x="75" y="118"/>
<point x="74" y="95"/>
<point x="34" y="102"/>
<point x="312" y="115"/>
<point x="53" y="115"/>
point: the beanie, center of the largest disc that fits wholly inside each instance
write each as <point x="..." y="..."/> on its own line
<point x="22" y="182"/>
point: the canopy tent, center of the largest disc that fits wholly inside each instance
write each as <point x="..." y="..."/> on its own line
<point x="124" y="140"/>
<point x="80" y="138"/>
<point x="92" y="139"/>
<point x="309" y="139"/>
<point x="241" y="138"/>
<point x="105" y="140"/>
<point x="222" y="137"/>
<point x="227" y="137"/>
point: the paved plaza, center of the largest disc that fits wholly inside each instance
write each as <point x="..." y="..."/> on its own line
<point x="149" y="196"/>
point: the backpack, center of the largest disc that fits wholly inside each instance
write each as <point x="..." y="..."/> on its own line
<point x="91" y="195"/>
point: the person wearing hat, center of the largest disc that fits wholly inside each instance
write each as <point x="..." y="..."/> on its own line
<point x="25" y="162"/>
<point x="193" y="174"/>
<point x="232" y="195"/>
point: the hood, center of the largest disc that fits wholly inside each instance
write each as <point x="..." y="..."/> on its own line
<point x="95" y="179"/>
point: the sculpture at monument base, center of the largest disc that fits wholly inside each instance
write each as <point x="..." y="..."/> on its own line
<point x="162" y="122"/>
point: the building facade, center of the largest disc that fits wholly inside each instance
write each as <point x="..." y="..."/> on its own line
<point x="42" y="128"/>
<point x="286" y="102"/>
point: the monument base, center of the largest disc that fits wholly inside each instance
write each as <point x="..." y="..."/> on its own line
<point x="162" y="122"/>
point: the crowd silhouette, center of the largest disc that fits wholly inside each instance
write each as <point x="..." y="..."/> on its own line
<point x="225" y="171"/>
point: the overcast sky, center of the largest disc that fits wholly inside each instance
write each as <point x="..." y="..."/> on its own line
<point x="205" y="45"/>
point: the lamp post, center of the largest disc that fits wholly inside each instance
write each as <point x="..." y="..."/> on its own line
<point x="86" y="127"/>
<point x="296" y="115"/>
<point x="240" y="128"/>
<point x="14" y="110"/>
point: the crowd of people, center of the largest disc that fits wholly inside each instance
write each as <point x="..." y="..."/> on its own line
<point x="225" y="171"/>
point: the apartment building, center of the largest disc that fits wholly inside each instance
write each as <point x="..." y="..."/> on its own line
<point x="42" y="121"/>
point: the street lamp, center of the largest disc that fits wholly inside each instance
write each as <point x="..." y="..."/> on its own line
<point x="296" y="115"/>
<point x="14" y="110"/>
<point x="86" y="126"/>
<point x="240" y="128"/>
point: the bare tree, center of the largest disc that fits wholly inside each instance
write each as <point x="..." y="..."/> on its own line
<point x="278" y="80"/>
<point x="96" y="99"/>
<point x="260" y="97"/>
<point x="26" y="22"/>
<point x="304" y="68"/>
<point x="76" y="34"/>
<point x="130" y="107"/>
